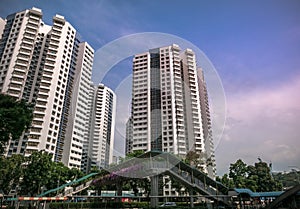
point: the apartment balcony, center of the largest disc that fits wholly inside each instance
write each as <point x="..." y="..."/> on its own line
<point x="13" y="93"/>
<point x="200" y="149"/>
<point x="38" y="117"/>
<point x="39" y="126"/>
<point x="47" y="74"/>
<point x="27" y="40"/>
<point x="53" y="46"/>
<point x="32" y="25"/>
<point x="33" y="21"/>
<point x="23" y="58"/>
<point x="42" y="98"/>
<point x="181" y="152"/>
<point x="31" y="31"/>
<point x="40" y="104"/>
<point x="56" y="31"/>
<point x="50" y="65"/>
<point x="28" y="47"/>
<point x="19" y="70"/>
<point x="25" y="51"/>
<point x="29" y="35"/>
<point x="48" y="69"/>
<point x="55" y="37"/>
<point x="15" y="87"/>
<point x="22" y="63"/>
<point x="30" y="150"/>
<point x="43" y="93"/>
<point x="52" y="52"/>
<point x="57" y="25"/>
<point x="35" y="138"/>
<point x="182" y="147"/>
<point x="46" y="78"/>
<point x="52" y="41"/>
<point x="177" y="59"/>
<point x="192" y="84"/>
<point x="18" y="75"/>
<point x="44" y="88"/>
<point x="46" y="82"/>
<point x="34" y="18"/>
<point x="50" y="57"/>
<point x="16" y="81"/>
<point x="191" y="73"/>
<point x="177" y="74"/>
<point x="176" y="64"/>
<point x="198" y="144"/>
<point x="39" y="111"/>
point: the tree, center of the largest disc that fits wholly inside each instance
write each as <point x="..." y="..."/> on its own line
<point x="288" y="179"/>
<point x="36" y="173"/>
<point x="11" y="170"/>
<point x="258" y="178"/>
<point x="58" y="174"/>
<point x="261" y="173"/>
<point x="238" y="173"/>
<point x="225" y="180"/>
<point x="15" y="117"/>
<point x="134" y="154"/>
<point x="195" y="159"/>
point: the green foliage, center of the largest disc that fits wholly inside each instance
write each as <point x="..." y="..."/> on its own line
<point x="261" y="174"/>
<point x="288" y="179"/>
<point x="134" y="154"/>
<point x="195" y="159"/>
<point x="258" y="178"/>
<point x="11" y="170"/>
<point x="110" y="204"/>
<point x="15" y="117"/>
<point x="34" y="174"/>
<point x="177" y="186"/>
<point x="104" y="204"/>
<point x="225" y="180"/>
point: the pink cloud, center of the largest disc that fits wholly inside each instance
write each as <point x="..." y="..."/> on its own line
<point x="263" y="122"/>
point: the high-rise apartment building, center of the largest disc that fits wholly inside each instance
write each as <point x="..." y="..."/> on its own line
<point x="170" y="110"/>
<point x="129" y="136"/>
<point x="2" y="25"/>
<point x="77" y="117"/>
<point x="50" y="67"/>
<point x="98" y="151"/>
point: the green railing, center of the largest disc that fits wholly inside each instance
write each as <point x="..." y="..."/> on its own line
<point x="67" y="184"/>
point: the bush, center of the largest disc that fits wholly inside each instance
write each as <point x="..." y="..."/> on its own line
<point x="77" y="205"/>
<point x="110" y="204"/>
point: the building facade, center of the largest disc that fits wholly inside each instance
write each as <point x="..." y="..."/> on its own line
<point x="76" y="126"/>
<point x="50" y="67"/>
<point x="129" y="136"/>
<point x="170" y="110"/>
<point x="99" y="149"/>
<point x="2" y="25"/>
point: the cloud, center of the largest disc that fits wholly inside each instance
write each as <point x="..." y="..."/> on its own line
<point x="263" y="122"/>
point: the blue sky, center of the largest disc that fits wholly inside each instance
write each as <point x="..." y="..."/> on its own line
<point x="254" y="46"/>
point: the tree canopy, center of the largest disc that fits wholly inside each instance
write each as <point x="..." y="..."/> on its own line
<point x="15" y="117"/>
<point x="34" y="174"/>
<point x="256" y="177"/>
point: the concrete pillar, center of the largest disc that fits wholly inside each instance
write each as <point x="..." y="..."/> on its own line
<point x="154" y="191"/>
<point x="119" y="191"/>
<point x="191" y="198"/>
